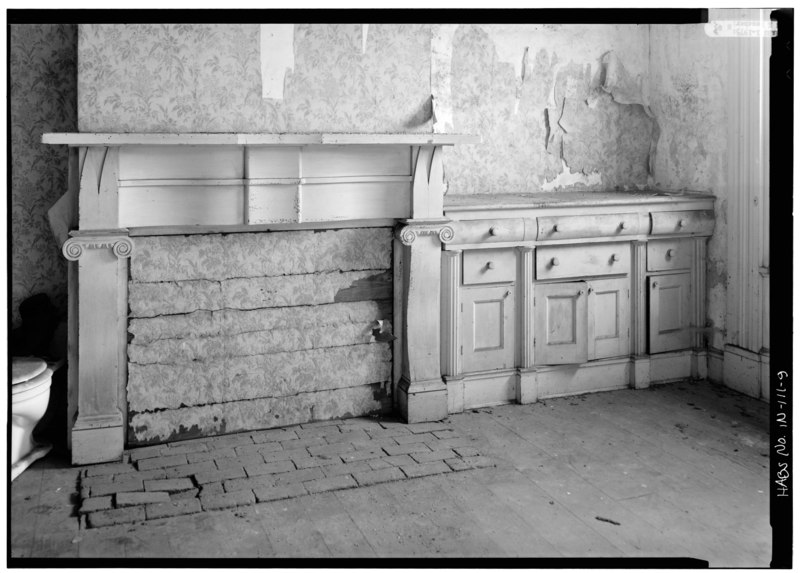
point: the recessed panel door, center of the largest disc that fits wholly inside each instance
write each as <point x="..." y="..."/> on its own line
<point x="488" y="328"/>
<point x="669" y="312"/>
<point x="560" y="323"/>
<point x="609" y="317"/>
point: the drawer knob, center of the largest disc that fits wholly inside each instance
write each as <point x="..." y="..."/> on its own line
<point x="623" y="225"/>
<point x="494" y="231"/>
<point x="581" y="292"/>
<point x="490" y="265"/>
<point x="682" y="223"/>
<point x="655" y="284"/>
<point x="555" y="228"/>
<point x="554" y="262"/>
<point x="670" y="253"/>
<point x="614" y="257"/>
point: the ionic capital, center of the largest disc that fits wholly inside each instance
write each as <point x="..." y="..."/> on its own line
<point x="407" y="233"/>
<point x="121" y="245"/>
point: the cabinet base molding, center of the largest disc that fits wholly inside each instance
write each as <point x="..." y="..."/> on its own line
<point x="422" y="401"/>
<point x="640" y="372"/>
<point x="528" y="386"/>
<point x="97" y="439"/>
<point x="745" y="371"/>
<point x="480" y="389"/>
<point x="594" y="376"/>
<point x="671" y="366"/>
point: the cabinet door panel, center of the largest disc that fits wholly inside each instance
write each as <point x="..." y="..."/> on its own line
<point x="670" y="298"/>
<point x="488" y="328"/>
<point x="560" y="323"/>
<point x="609" y="318"/>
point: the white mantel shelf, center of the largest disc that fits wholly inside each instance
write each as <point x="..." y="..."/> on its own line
<point x="114" y="139"/>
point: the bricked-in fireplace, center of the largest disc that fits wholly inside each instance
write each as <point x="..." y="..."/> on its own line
<point x="227" y="282"/>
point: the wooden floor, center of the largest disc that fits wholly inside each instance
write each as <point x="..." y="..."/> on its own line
<point x="674" y="471"/>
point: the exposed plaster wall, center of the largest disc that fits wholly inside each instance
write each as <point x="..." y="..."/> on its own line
<point x="688" y="87"/>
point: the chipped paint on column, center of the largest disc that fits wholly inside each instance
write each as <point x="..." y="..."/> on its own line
<point x="688" y="95"/>
<point x="505" y="96"/>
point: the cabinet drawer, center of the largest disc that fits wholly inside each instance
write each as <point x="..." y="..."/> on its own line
<point x="683" y="222"/>
<point x="489" y="266"/>
<point x="582" y="260"/>
<point x="669" y="255"/>
<point x="586" y="226"/>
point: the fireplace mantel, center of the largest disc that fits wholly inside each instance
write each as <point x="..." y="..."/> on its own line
<point x="132" y="184"/>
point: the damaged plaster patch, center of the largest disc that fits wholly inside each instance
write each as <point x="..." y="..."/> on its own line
<point x="627" y="90"/>
<point x="277" y="58"/>
<point x="567" y="178"/>
<point x="441" y="63"/>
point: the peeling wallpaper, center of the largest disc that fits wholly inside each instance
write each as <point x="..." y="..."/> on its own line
<point x="43" y="97"/>
<point x="543" y="113"/>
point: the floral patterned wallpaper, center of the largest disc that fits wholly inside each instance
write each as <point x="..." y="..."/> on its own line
<point x="43" y="98"/>
<point x="207" y="78"/>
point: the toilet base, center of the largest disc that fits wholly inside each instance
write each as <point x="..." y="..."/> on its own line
<point x="40" y="451"/>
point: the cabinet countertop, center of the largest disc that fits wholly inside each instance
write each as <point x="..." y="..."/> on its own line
<point x="485" y="201"/>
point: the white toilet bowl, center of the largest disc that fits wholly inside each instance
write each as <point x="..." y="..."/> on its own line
<point x="30" y="394"/>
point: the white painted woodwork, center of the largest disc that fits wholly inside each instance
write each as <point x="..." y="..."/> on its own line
<point x="481" y="389"/>
<point x="422" y="395"/>
<point x="583" y="226"/>
<point x="670" y="254"/>
<point x="682" y="222"/>
<point x="608" y="325"/>
<point x="525" y="309"/>
<point x="188" y="162"/>
<point x="560" y="323"/>
<point x="101" y="357"/>
<point x="490" y="266"/>
<point x="191" y="205"/>
<point x="639" y="307"/>
<point x="747" y="191"/>
<point x="270" y="162"/>
<point x="341" y="201"/>
<point x="698" y="292"/>
<point x="488" y="320"/>
<point x="291" y="139"/>
<point x="582" y="261"/>
<point x="428" y="187"/>
<point x="355" y="160"/>
<point x="595" y="376"/>
<point x="670" y="303"/>
<point x="487" y="232"/>
<point x="97" y="198"/>
<point x="670" y="366"/>
<point x="451" y="313"/>
<point x="272" y="204"/>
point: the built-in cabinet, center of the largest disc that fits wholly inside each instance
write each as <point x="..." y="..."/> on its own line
<point x="589" y="294"/>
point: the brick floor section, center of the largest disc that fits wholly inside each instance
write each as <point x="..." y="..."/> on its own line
<point x="222" y="472"/>
<point x="141" y="497"/>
